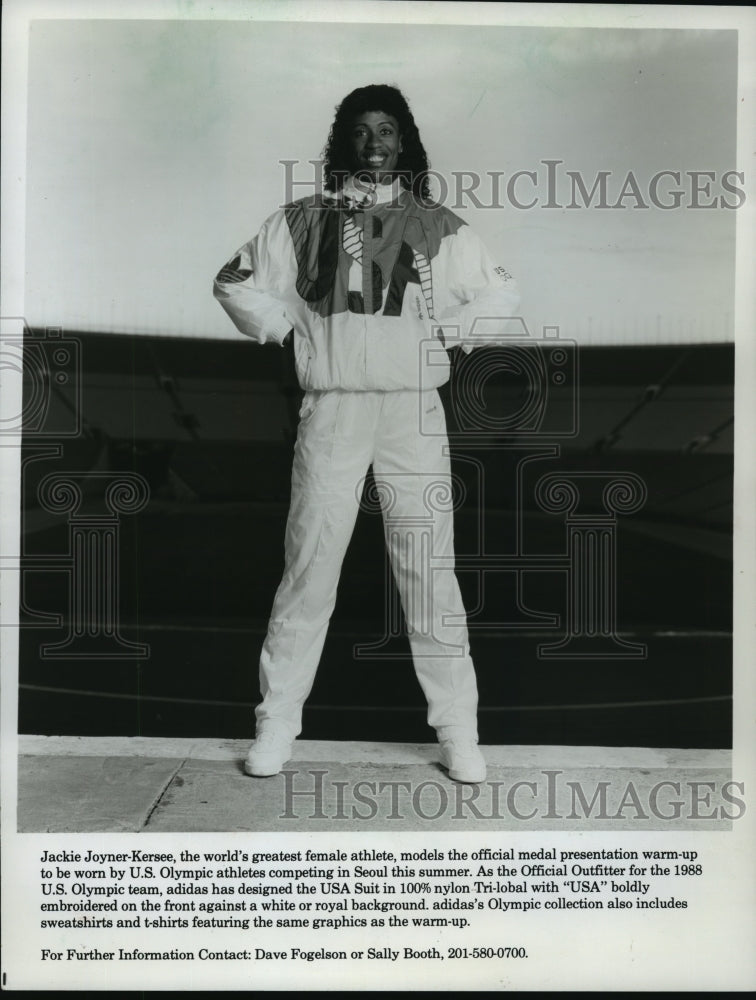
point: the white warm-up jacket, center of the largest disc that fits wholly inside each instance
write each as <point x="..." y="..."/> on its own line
<point x="374" y="292"/>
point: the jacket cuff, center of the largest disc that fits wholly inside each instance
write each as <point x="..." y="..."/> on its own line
<point x="277" y="330"/>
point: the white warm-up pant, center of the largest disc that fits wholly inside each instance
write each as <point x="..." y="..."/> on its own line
<point x="403" y="435"/>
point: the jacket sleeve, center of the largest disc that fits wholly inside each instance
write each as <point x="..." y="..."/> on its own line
<point x="482" y="298"/>
<point x="252" y="287"/>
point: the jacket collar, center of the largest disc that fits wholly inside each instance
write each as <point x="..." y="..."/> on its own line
<point x="357" y="198"/>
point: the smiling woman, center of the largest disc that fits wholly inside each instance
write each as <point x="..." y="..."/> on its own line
<point x="375" y="283"/>
<point x="374" y="131"/>
<point x="126" y="120"/>
<point x="377" y="144"/>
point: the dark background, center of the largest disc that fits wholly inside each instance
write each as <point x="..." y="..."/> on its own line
<point x="210" y="426"/>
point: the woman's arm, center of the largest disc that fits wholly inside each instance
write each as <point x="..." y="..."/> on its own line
<point x="252" y="287"/>
<point x="481" y="297"/>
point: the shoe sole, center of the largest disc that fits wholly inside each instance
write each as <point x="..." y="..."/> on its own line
<point x="257" y="772"/>
<point x="464" y="779"/>
<point x="262" y="771"/>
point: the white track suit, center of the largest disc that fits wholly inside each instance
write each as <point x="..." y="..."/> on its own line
<point x="362" y="290"/>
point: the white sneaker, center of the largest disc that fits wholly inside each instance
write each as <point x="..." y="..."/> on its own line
<point x="268" y="753"/>
<point x="463" y="760"/>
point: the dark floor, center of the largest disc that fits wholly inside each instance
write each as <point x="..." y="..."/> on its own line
<point x="209" y="428"/>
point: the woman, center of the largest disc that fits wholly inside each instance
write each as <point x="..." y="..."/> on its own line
<point x="374" y="281"/>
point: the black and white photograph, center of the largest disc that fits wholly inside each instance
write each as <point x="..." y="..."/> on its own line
<point x="377" y="535"/>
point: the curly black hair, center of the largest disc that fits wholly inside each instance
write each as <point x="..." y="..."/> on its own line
<point x="413" y="163"/>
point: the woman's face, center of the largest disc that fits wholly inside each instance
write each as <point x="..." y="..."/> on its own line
<point x="376" y="145"/>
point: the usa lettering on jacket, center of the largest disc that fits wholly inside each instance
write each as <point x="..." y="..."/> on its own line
<point x="373" y="294"/>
